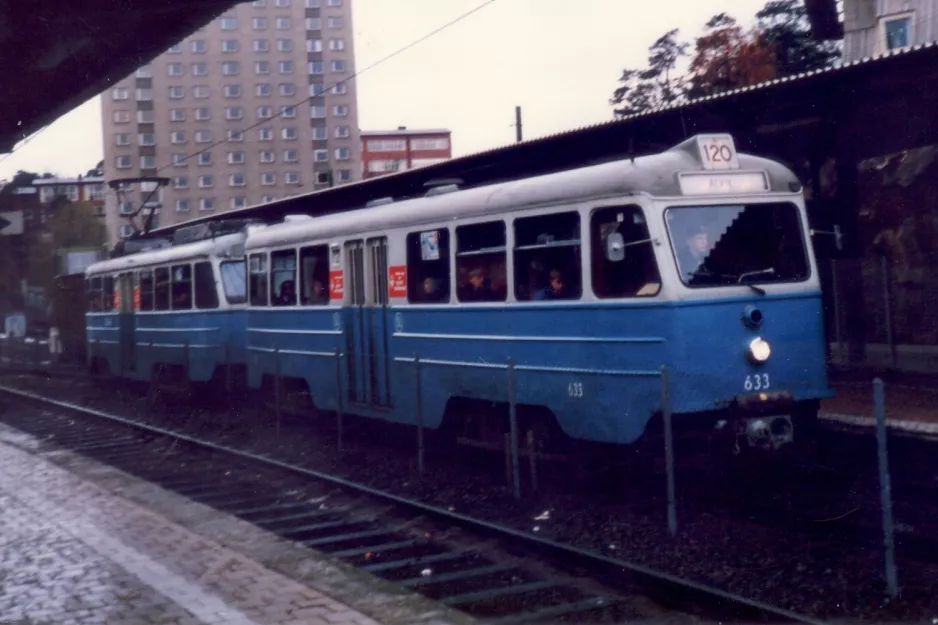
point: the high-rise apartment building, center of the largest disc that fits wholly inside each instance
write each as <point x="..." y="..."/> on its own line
<point x="224" y="114"/>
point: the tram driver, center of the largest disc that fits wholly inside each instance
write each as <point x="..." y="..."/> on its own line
<point x="693" y="254"/>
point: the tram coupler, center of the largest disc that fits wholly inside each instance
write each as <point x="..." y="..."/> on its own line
<point x="763" y="422"/>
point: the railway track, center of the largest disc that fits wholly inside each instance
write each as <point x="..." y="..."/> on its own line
<point x="495" y="573"/>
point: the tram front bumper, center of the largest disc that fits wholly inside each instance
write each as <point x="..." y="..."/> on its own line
<point x="764" y="420"/>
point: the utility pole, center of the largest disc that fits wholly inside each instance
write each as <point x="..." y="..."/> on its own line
<point x="518" y="124"/>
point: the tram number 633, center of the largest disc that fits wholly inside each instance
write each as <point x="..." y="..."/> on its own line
<point x="575" y="389"/>
<point x="757" y="382"/>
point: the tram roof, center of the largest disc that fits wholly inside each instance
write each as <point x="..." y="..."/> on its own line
<point x="226" y="245"/>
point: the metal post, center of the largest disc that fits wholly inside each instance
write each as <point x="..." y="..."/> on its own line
<point x="419" y="413"/>
<point x="668" y="447"/>
<point x="277" y="398"/>
<point x="887" y="307"/>
<point x="338" y="392"/>
<point x="885" y="489"/>
<point x="518" y="124"/>
<point x="513" y="425"/>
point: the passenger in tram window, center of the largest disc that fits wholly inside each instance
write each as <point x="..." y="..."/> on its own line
<point x="477" y="289"/>
<point x="430" y="289"/>
<point x="556" y="289"/>
<point x="318" y="294"/>
<point x="287" y="295"/>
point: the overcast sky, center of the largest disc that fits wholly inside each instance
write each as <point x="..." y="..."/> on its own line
<point x="557" y="59"/>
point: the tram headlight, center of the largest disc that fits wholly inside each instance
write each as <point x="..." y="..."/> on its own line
<point x="759" y="350"/>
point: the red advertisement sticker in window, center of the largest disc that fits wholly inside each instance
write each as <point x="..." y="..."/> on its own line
<point x="397" y="281"/>
<point x="336" y="285"/>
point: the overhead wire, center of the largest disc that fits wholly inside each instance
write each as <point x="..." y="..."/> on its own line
<point x="331" y="86"/>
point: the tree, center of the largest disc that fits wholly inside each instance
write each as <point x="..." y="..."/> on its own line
<point x="785" y="28"/>
<point x="656" y="85"/>
<point x="726" y="57"/>
<point x="75" y="224"/>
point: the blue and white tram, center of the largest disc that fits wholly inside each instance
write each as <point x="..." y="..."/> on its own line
<point x="179" y="309"/>
<point x="589" y="281"/>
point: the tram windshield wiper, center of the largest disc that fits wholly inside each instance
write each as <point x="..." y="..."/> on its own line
<point x="758" y="272"/>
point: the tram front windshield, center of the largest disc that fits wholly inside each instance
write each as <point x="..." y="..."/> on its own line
<point x="738" y="244"/>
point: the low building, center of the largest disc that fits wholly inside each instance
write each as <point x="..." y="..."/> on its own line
<point x="90" y="189"/>
<point x="388" y="151"/>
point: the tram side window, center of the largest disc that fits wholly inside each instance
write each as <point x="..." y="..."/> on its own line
<point x="428" y="268"/>
<point x="146" y="290"/>
<point x="182" y="287"/>
<point x="206" y="295"/>
<point x="622" y="254"/>
<point x="93" y="294"/>
<point x="283" y="278"/>
<point x="547" y="257"/>
<point x="258" y="265"/>
<point x="161" y="289"/>
<point x="314" y="273"/>
<point x="481" y="262"/>
<point x="107" y="293"/>
<point x="233" y="281"/>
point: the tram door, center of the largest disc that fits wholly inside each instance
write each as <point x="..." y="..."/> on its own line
<point x="124" y="292"/>
<point x="355" y="346"/>
<point x="377" y="322"/>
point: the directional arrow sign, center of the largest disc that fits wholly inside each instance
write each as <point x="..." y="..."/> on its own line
<point x="11" y="223"/>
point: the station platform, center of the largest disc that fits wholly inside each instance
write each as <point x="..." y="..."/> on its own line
<point x="82" y="543"/>
<point x="911" y="404"/>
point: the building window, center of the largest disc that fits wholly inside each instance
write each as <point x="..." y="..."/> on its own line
<point x="127" y="230"/>
<point x="206" y="181"/>
<point x="259" y="23"/>
<point x="342" y="132"/>
<point x="126" y="208"/>
<point x="440" y="143"/>
<point x="259" y="3"/>
<point x="180" y="160"/>
<point x="343" y="154"/>
<point x="340" y="110"/>
<point x="314" y="45"/>
<point x="120" y="93"/>
<point x="148" y="162"/>
<point x="182" y="206"/>
<point x="147" y="138"/>
<point x="145" y="117"/>
<point x="428" y="264"/>
<point x="338" y="66"/>
<point x="267" y="156"/>
<point x="286" y="67"/>
<point x="124" y="162"/>
<point x="313" y="23"/>
<point x="386" y="145"/>
<point x="229" y="45"/>
<point x="122" y="138"/>
<point x="264" y="90"/>
<point x="283" y="23"/>
<point x="206" y="204"/>
<point x="203" y="136"/>
<point x="175" y="69"/>
<point x="337" y="44"/>
<point x="232" y="91"/>
<point x="317" y="89"/>
<point x="205" y="158"/>
<point x="262" y="67"/>
<point x="235" y="158"/>
<point x="200" y="69"/>
<point x="285" y="45"/>
<point x="335" y="22"/>
<point x="144" y="71"/>
<point x="317" y="111"/>
<point x="144" y="95"/>
<point x="340" y="88"/>
<point x="177" y="92"/>
<point x="175" y="49"/>
<point x="321" y="156"/>
<point x="177" y="115"/>
<point x="264" y="112"/>
<point x="291" y="177"/>
<point x="288" y="112"/>
<point x="199" y="46"/>
<point x="289" y="133"/>
<point x="203" y="114"/>
<point x="230" y="68"/>
<point x="236" y="180"/>
<point x="265" y="134"/>
<point x="345" y="175"/>
<point x="121" y="117"/>
<point x="313" y="4"/>
<point x="897" y="32"/>
<point x="320" y="133"/>
<point x="290" y="156"/>
<point x="229" y="23"/>
<point x="234" y="112"/>
<point x="235" y="135"/>
<point x="316" y="67"/>
<point x="261" y="45"/>
<point x="201" y="92"/>
<point x="384" y="166"/>
<point x="287" y="89"/>
<point x="268" y="179"/>
<point x="335" y="3"/>
<point x="267" y="199"/>
<point x="181" y="182"/>
<point x="282" y="3"/>
<point x="238" y="202"/>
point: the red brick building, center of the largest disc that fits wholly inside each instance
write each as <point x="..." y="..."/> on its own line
<point x="387" y="151"/>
